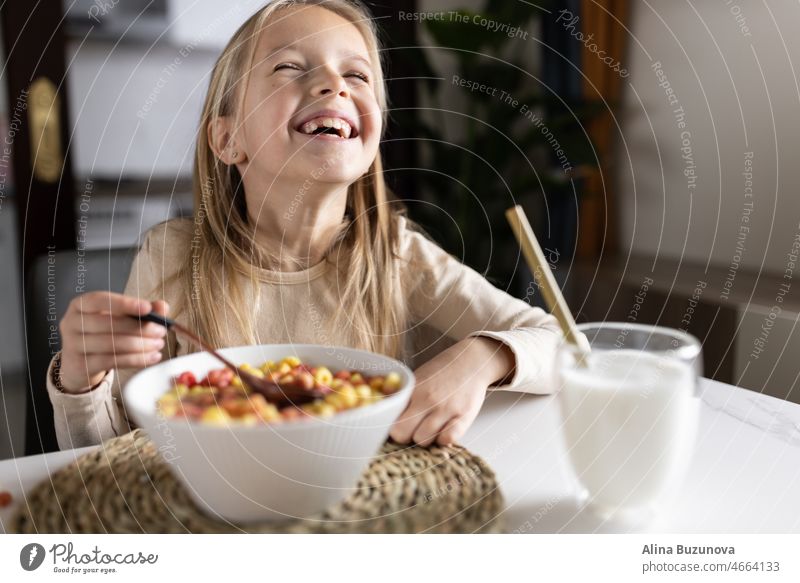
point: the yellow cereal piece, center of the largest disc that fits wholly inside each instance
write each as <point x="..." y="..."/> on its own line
<point x="283" y="368"/>
<point x="376" y="383"/>
<point x="267" y="366"/>
<point x="215" y="416"/>
<point x="256" y="372"/>
<point x="323" y="376"/>
<point x="356" y="378"/>
<point x="363" y="392"/>
<point x="337" y="383"/>
<point x="335" y="399"/>
<point x="236" y="381"/>
<point x="263" y="407"/>
<point x="268" y="412"/>
<point x="350" y="398"/>
<point x="392" y="381"/>
<point x="179" y="390"/>
<point x="168" y="410"/>
<point x="248" y="419"/>
<point x="258" y="400"/>
<point x="292" y="361"/>
<point x="326" y="410"/>
<point x="168" y="405"/>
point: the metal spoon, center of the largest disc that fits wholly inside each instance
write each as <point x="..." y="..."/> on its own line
<point x="272" y="391"/>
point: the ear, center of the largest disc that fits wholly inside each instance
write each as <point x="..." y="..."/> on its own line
<point x="222" y="142"/>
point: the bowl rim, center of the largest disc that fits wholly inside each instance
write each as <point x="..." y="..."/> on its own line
<point x="138" y="414"/>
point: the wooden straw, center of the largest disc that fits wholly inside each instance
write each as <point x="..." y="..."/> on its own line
<point x="543" y="277"/>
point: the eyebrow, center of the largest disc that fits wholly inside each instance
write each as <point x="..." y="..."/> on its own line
<point x="270" y="53"/>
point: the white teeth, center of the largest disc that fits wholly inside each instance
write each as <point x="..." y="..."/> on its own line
<point x="329" y="122"/>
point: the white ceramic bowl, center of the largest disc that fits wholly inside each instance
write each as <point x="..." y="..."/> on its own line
<point x="268" y="472"/>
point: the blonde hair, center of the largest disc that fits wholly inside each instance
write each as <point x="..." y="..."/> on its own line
<point x="365" y="250"/>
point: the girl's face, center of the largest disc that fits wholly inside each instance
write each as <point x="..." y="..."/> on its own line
<point x="311" y="70"/>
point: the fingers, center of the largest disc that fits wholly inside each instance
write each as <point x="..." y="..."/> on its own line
<point x="134" y="360"/>
<point x="427" y="420"/>
<point x="403" y="429"/>
<point x="161" y="307"/>
<point x="458" y="425"/>
<point x="436" y="427"/>
<point x="118" y="344"/>
<point x="114" y="303"/>
<point x="99" y="334"/>
<point x="107" y="324"/>
<point x="454" y="430"/>
<point x="430" y="428"/>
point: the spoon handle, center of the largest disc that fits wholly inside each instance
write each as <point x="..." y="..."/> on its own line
<point x="271" y="390"/>
<point x="168" y="323"/>
<point x="157" y="319"/>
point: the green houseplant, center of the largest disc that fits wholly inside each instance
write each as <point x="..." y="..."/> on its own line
<point x="520" y="142"/>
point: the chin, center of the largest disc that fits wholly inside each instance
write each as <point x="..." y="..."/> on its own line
<point x="332" y="171"/>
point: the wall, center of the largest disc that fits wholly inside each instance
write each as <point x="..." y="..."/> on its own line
<point x="733" y="68"/>
<point x="739" y="89"/>
<point x="135" y="106"/>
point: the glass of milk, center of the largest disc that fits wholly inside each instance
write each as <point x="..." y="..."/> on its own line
<point x="629" y="415"/>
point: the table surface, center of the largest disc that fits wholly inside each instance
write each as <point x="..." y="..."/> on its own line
<point x="744" y="476"/>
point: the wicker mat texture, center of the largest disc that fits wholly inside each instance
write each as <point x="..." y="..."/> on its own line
<point x="125" y="487"/>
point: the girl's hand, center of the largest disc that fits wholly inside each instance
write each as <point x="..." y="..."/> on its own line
<point x="98" y="334"/>
<point x="450" y="391"/>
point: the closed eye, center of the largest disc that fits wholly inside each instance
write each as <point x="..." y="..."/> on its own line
<point x="287" y="66"/>
<point x="359" y="75"/>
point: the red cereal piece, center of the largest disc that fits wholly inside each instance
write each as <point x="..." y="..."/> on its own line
<point x="5" y="499"/>
<point x="291" y="414"/>
<point x="343" y="375"/>
<point x="225" y="378"/>
<point x="187" y="379"/>
<point x="305" y="380"/>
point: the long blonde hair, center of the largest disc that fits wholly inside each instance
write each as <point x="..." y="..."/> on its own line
<point x="373" y="315"/>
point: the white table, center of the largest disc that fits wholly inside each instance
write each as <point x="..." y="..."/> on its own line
<point x="744" y="477"/>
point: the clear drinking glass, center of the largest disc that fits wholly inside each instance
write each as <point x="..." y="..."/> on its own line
<point x="629" y="415"/>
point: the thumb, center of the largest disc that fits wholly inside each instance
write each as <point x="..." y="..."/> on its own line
<point x="161" y="307"/>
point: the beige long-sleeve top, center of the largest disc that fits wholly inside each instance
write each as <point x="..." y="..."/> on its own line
<point x="448" y="302"/>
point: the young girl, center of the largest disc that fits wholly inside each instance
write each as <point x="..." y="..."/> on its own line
<point x="294" y="239"/>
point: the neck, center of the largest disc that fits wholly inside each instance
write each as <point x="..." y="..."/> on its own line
<point x="296" y="224"/>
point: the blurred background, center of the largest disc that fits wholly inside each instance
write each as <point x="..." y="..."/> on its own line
<point x="652" y="146"/>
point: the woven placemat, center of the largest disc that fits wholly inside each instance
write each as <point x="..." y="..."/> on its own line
<point x="125" y="487"/>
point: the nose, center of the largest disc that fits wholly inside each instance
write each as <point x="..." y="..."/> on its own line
<point x="329" y="82"/>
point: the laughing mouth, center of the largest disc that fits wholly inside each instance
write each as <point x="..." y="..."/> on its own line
<point x="328" y="125"/>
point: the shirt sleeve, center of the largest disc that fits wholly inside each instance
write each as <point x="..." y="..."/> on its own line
<point x="97" y="414"/>
<point x="458" y="302"/>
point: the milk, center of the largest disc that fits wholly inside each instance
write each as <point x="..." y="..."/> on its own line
<point x="629" y="421"/>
